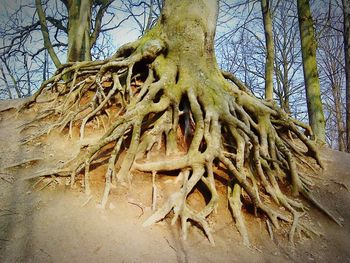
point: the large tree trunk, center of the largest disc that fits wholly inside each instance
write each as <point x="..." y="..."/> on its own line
<point x="79" y="27"/>
<point x="312" y="82"/>
<point x="184" y="118"/>
<point x="189" y="29"/>
<point x="346" y="13"/>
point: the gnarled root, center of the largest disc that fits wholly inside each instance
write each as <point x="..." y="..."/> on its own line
<point x="234" y="198"/>
<point x="177" y="202"/>
<point x="166" y="116"/>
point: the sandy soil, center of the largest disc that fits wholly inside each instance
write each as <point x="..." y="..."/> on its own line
<point x="53" y="223"/>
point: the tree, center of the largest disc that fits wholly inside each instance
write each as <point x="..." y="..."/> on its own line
<point x="312" y="83"/>
<point x="346" y="32"/>
<point x="81" y="37"/>
<point x="24" y="56"/>
<point x="289" y="85"/>
<point x="266" y="14"/>
<point x="32" y="29"/>
<point x="332" y="70"/>
<point x="332" y="76"/>
<point x="169" y="108"/>
<point x="147" y="16"/>
<point x="241" y="47"/>
<point x="17" y="64"/>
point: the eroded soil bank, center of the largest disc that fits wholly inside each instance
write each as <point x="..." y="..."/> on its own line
<point x="52" y="223"/>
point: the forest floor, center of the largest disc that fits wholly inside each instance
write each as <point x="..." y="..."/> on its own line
<point x="49" y="222"/>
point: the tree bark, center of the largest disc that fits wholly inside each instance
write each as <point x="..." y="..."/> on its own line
<point x="338" y="115"/>
<point x="190" y="28"/>
<point x="346" y="14"/>
<point x="79" y="17"/>
<point x="312" y="83"/>
<point x="270" y="56"/>
<point x="81" y="38"/>
<point x="8" y="88"/>
<point x="45" y="33"/>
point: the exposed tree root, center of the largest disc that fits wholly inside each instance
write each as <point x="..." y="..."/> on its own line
<point x="167" y="117"/>
<point x="7" y="177"/>
<point x="27" y="162"/>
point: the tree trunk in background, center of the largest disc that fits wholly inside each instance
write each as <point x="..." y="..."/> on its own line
<point x="45" y="34"/>
<point x="266" y="13"/>
<point x="286" y="88"/>
<point x="79" y="27"/>
<point x="338" y="116"/>
<point x="8" y="87"/>
<point x="346" y="12"/>
<point x="312" y="82"/>
<point x="282" y="83"/>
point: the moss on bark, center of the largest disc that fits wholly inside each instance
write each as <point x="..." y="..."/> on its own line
<point x="312" y="82"/>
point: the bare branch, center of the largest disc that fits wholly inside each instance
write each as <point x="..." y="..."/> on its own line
<point x="45" y="33"/>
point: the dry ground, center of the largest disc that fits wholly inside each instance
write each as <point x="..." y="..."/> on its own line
<point x="52" y="223"/>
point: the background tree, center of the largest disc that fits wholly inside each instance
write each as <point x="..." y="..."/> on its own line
<point x="18" y="67"/>
<point x="332" y="78"/>
<point x="20" y="39"/>
<point x="81" y="36"/>
<point x="241" y="47"/>
<point x="269" y="64"/>
<point x="332" y="74"/>
<point x="144" y="13"/>
<point x="312" y="83"/>
<point x="346" y="30"/>
<point x="21" y="34"/>
<point x="289" y="84"/>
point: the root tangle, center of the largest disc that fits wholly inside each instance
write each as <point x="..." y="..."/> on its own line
<point x="161" y="115"/>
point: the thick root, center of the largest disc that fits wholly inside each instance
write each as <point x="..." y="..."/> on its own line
<point x="234" y="199"/>
<point x="164" y="118"/>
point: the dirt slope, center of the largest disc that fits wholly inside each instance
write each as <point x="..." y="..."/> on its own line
<point x="52" y="223"/>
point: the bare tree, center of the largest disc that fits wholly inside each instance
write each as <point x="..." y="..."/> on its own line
<point x="332" y="76"/>
<point x="144" y="13"/>
<point x="78" y="27"/>
<point x="269" y="63"/>
<point x="312" y="83"/>
<point x="289" y="87"/>
<point x="243" y="41"/>
<point x="331" y="66"/>
<point x="346" y="30"/>
<point x="40" y="32"/>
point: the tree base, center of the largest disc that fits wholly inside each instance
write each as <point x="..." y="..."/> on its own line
<point x="165" y="116"/>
